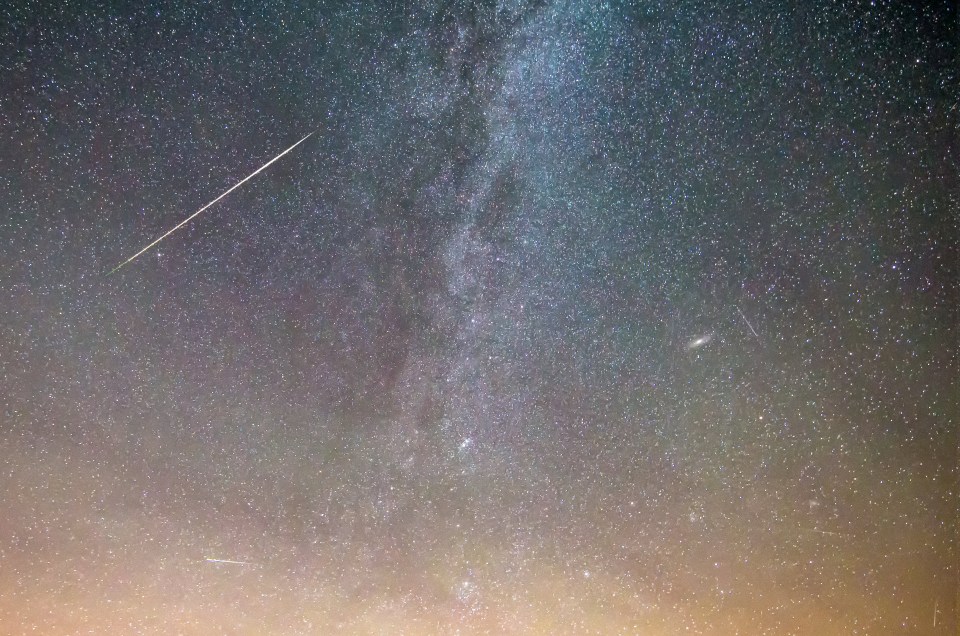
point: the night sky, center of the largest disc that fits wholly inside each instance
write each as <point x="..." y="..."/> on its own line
<point x="570" y="318"/>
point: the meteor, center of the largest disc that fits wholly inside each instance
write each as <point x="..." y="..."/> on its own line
<point x="744" y="316"/>
<point x="197" y="213"/>
<point x="228" y="561"/>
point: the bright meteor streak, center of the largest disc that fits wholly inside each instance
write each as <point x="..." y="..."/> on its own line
<point x="228" y="561"/>
<point x="197" y="213"/>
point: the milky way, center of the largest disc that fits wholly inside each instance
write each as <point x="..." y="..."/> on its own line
<point x="572" y="318"/>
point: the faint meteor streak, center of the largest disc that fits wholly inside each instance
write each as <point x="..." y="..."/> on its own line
<point x="742" y="315"/>
<point x="229" y="561"/>
<point x="197" y="213"/>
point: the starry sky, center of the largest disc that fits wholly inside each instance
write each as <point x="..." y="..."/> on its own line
<point x="571" y="318"/>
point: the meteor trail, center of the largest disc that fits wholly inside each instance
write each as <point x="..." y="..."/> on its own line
<point x="228" y="561"/>
<point x="742" y="315"/>
<point x="195" y="214"/>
